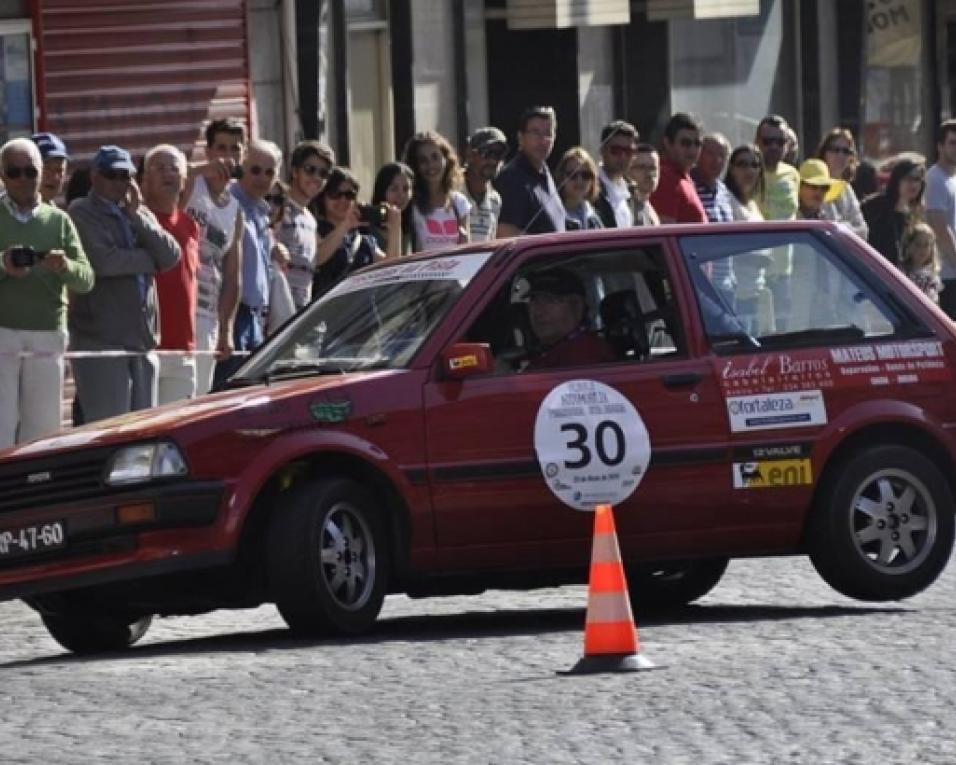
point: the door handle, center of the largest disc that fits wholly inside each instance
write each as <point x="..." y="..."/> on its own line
<point x="681" y="379"/>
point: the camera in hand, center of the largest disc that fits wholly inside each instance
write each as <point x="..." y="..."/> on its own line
<point x="373" y="215"/>
<point x="25" y="257"/>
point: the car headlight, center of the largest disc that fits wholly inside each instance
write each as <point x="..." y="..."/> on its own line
<point x="144" y="462"/>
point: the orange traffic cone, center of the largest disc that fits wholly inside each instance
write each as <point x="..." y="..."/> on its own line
<point x="610" y="634"/>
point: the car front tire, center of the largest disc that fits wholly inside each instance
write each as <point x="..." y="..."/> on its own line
<point x="328" y="558"/>
<point x="88" y="633"/>
<point x="883" y="524"/>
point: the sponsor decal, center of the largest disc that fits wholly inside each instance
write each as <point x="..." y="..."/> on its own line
<point x="463" y="362"/>
<point x="323" y="410"/>
<point x="784" y="451"/>
<point x="768" y="411"/>
<point x="892" y="363"/>
<point x="43" y="477"/>
<point x="769" y="474"/>
<point x="461" y="269"/>
<point x="775" y="372"/>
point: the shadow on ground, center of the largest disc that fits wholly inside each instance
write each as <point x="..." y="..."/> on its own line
<point x="474" y="625"/>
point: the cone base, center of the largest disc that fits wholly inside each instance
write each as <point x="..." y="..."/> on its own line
<point x="592" y="665"/>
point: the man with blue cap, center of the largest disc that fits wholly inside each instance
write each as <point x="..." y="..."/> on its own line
<point x="55" y="158"/>
<point x="126" y="246"/>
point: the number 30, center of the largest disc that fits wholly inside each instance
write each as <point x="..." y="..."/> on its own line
<point x="580" y="440"/>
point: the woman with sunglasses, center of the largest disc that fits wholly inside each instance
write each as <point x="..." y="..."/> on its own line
<point x="838" y="150"/>
<point x="345" y="244"/>
<point x="891" y="214"/>
<point x="744" y="181"/>
<point x="393" y="185"/>
<point x="752" y="298"/>
<point x="576" y="179"/>
<point x="439" y="211"/>
<point x="282" y="303"/>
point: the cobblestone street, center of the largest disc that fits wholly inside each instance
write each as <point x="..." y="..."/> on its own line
<point x="771" y="667"/>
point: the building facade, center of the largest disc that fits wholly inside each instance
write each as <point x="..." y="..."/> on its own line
<point x="366" y="74"/>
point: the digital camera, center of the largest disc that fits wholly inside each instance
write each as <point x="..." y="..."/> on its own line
<point x="373" y="215"/>
<point x="25" y="257"/>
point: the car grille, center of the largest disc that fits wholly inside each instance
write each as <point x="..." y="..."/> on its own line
<point x="53" y="480"/>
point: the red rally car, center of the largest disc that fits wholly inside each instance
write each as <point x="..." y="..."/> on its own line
<point x="442" y="424"/>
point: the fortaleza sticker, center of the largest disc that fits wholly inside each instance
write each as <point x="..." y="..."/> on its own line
<point x="769" y="474"/>
<point x="767" y="411"/>
<point x="591" y="443"/>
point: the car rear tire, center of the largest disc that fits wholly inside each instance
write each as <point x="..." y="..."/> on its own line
<point x="883" y="524"/>
<point x="672" y="585"/>
<point x="85" y="632"/>
<point x="328" y="559"/>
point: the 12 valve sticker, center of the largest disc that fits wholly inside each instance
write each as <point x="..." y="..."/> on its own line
<point x="591" y="443"/>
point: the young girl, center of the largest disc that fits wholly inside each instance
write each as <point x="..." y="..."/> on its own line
<point x="439" y="211"/>
<point x="921" y="260"/>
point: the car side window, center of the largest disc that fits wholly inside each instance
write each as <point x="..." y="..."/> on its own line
<point x="585" y="309"/>
<point x="783" y="289"/>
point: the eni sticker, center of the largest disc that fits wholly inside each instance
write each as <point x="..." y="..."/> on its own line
<point x="770" y="474"/>
<point x="591" y="443"/>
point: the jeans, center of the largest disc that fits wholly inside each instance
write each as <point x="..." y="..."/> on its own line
<point x="247" y="335"/>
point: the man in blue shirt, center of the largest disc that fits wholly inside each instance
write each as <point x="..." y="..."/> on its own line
<point x="260" y="168"/>
<point x="715" y="197"/>
<point x="529" y="199"/>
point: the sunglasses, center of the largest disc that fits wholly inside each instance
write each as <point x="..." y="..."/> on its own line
<point x="320" y="170"/>
<point x="845" y="150"/>
<point x="914" y="177"/>
<point x="688" y="142"/>
<point x="773" y="141"/>
<point x="275" y="199"/>
<point x="115" y="175"/>
<point x="581" y="175"/>
<point x="621" y="151"/>
<point x="492" y="152"/>
<point x="349" y="194"/>
<point x="27" y="171"/>
<point x="754" y="163"/>
<point x="269" y="172"/>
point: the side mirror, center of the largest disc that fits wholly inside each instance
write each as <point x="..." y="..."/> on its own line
<point x="466" y="360"/>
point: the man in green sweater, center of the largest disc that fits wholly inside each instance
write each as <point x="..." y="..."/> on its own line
<point x="42" y="259"/>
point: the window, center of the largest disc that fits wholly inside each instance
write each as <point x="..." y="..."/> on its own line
<point x="780" y="290"/>
<point x="586" y="309"/>
<point x="16" y="81"/>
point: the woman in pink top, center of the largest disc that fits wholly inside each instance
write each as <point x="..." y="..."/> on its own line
<point x="440" y="211"/>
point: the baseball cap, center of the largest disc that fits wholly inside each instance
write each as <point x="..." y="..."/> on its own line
<point x="555" y="281"/>
<point x="486" y="137"/>
<point x="113" y="158"/>
<point x="50" y="145"/>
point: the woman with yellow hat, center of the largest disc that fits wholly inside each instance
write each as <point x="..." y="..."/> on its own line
<point x="817" y="188"/>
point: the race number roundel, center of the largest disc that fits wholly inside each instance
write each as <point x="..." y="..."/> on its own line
<point x="591" y="443"/>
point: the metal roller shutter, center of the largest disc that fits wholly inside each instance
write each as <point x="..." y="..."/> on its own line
<point x="141" y="72"/>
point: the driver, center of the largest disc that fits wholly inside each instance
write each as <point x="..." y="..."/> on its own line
<point x="557" y="310"/>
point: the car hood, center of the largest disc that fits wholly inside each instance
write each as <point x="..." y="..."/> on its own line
<point x="172" y="418"/>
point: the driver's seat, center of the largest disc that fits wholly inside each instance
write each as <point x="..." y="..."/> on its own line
<point x="625" y="326"/>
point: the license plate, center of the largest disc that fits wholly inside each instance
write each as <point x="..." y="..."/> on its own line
<point x="29" y="540"/>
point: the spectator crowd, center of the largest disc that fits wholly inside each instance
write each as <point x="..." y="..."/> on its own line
<point x="159" y="278"/>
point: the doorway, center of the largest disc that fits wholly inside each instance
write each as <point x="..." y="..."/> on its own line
<point x="533" y="68"/>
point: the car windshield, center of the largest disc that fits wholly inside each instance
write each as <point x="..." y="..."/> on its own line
<point x="376" y="319"/>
